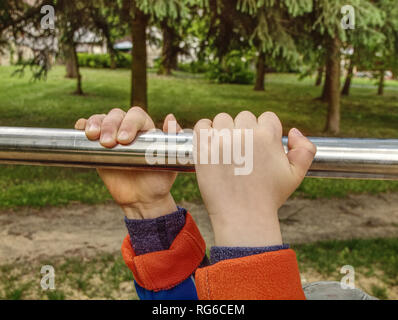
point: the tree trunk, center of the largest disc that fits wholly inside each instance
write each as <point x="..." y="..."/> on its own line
<point x="260" y="72"/>
<point x="79" y="89"/>
<point x="112" y="59"/>
<point x="70" y="61"/>
<point x="139" y="60"/>
<point x="326" y="84"/>
<point x="380" y="89"/>
<point x="333" y="88"/>
<point x="174" y="62"/>
<point x="169" y="49"/>
<point x="319" y="77"/>
<point x="19" y="57"/>
<point x="347" y="83"/>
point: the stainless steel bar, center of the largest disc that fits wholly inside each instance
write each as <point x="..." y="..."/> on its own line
<point x="335" y="158"/>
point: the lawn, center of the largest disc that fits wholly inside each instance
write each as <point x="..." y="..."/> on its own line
<point x="190" y="97"/>
<point x="106" y="276"/>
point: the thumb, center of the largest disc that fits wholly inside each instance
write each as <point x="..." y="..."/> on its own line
<point x="171" y="125"/>
<point x="301" y="152"/>
<point x="80" y="124"/>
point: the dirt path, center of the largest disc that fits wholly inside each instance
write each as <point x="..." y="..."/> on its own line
<point x="84" y="230"/>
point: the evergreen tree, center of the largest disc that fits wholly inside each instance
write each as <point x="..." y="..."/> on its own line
<point x="326" y="21"/>
<point x="273" y="32"/>
<point x="141" y="14"/>
<point x="385" y="54"/>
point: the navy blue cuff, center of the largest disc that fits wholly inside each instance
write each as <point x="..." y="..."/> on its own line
<point x="149" y="235"/>
<point x="223" y="253"/>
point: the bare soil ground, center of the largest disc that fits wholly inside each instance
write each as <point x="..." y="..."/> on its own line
<point x="84" y="230"/>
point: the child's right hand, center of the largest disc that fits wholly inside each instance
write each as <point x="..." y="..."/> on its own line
<point x="141" y="194"/>
<point x="243" y="208"/>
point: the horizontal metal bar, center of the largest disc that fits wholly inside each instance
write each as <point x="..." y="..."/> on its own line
<point x="335" y="158"/>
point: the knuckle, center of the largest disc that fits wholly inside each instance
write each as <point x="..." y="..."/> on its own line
<point x="244" y="115"/>
<point x="197" y="127"/>
<point x="273" y="120"/>
<point x="270" y="113"/>
<point x="116" y="110"/>
<point x="138" y="109"/>
<point x="312" y="148"/>
<point x="202" y="123"/>
<point x="110" y="118"/>
<point x="310" y="155"/>
<point x="126" y="126"/>
<point x="108" y="127"/>
<point x="271" y="116"/>
<point x="96" y="118"/>
<point x="222" y="115"/>
<point x="92" y="117"/>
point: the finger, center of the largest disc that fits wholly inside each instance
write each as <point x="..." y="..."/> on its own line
<point x="134" y="121"/>
<point x="80" y="124"/>
<point x="301" y="152"/>
<point x="171" y="125"/>
<point x="93" y="126"/>
<point x="200" y="145"/>
<point x="110" y="126"/>
<point x="270" y="120"/>
<point x="223" y="120"/>
<point x="202" y="124"/>
<point x="245" y="119"/>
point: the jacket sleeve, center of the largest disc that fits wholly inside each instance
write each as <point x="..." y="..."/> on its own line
<point x="270" y="275"/>
<point x="166" y="274"/>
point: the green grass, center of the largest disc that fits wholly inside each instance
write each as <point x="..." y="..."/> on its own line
<point x="371" y="254"/>
<point x="106" y="276"/>
<point x="55" y="295"/>
<point x="379" y="292"/>
<point x="52" y="104"/>
<point x="190" y="97"/>
<point x="103" y="277"/>
<point x="338" y="188"/>
<point x="43" y="186"/>
<point x="375" y="262"/>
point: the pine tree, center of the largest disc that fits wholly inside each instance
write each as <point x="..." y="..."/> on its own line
<point x="75" y="19"/>
<point x="273" y="32"/>
<point x="141" y="14"/>
<point x="326" y="21"/>
<point x="267" y="26"/>
<point x="385" y="54"/>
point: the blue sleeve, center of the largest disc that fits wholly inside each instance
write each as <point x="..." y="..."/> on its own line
<point x="186" y="290"/>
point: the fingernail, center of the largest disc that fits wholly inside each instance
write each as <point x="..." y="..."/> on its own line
<point x="123" y="135"/>
<point x="297" y="132"/>
<point x="106" y="138"/>
<point x="93" y="128"/>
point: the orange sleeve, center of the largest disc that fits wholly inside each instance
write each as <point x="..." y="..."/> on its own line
<point x="162" y="270"/>
<point x="267" y="276"/>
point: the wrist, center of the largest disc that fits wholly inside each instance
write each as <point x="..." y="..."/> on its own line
<point x="150" y="210"/>
<point x="260" y="230"/>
